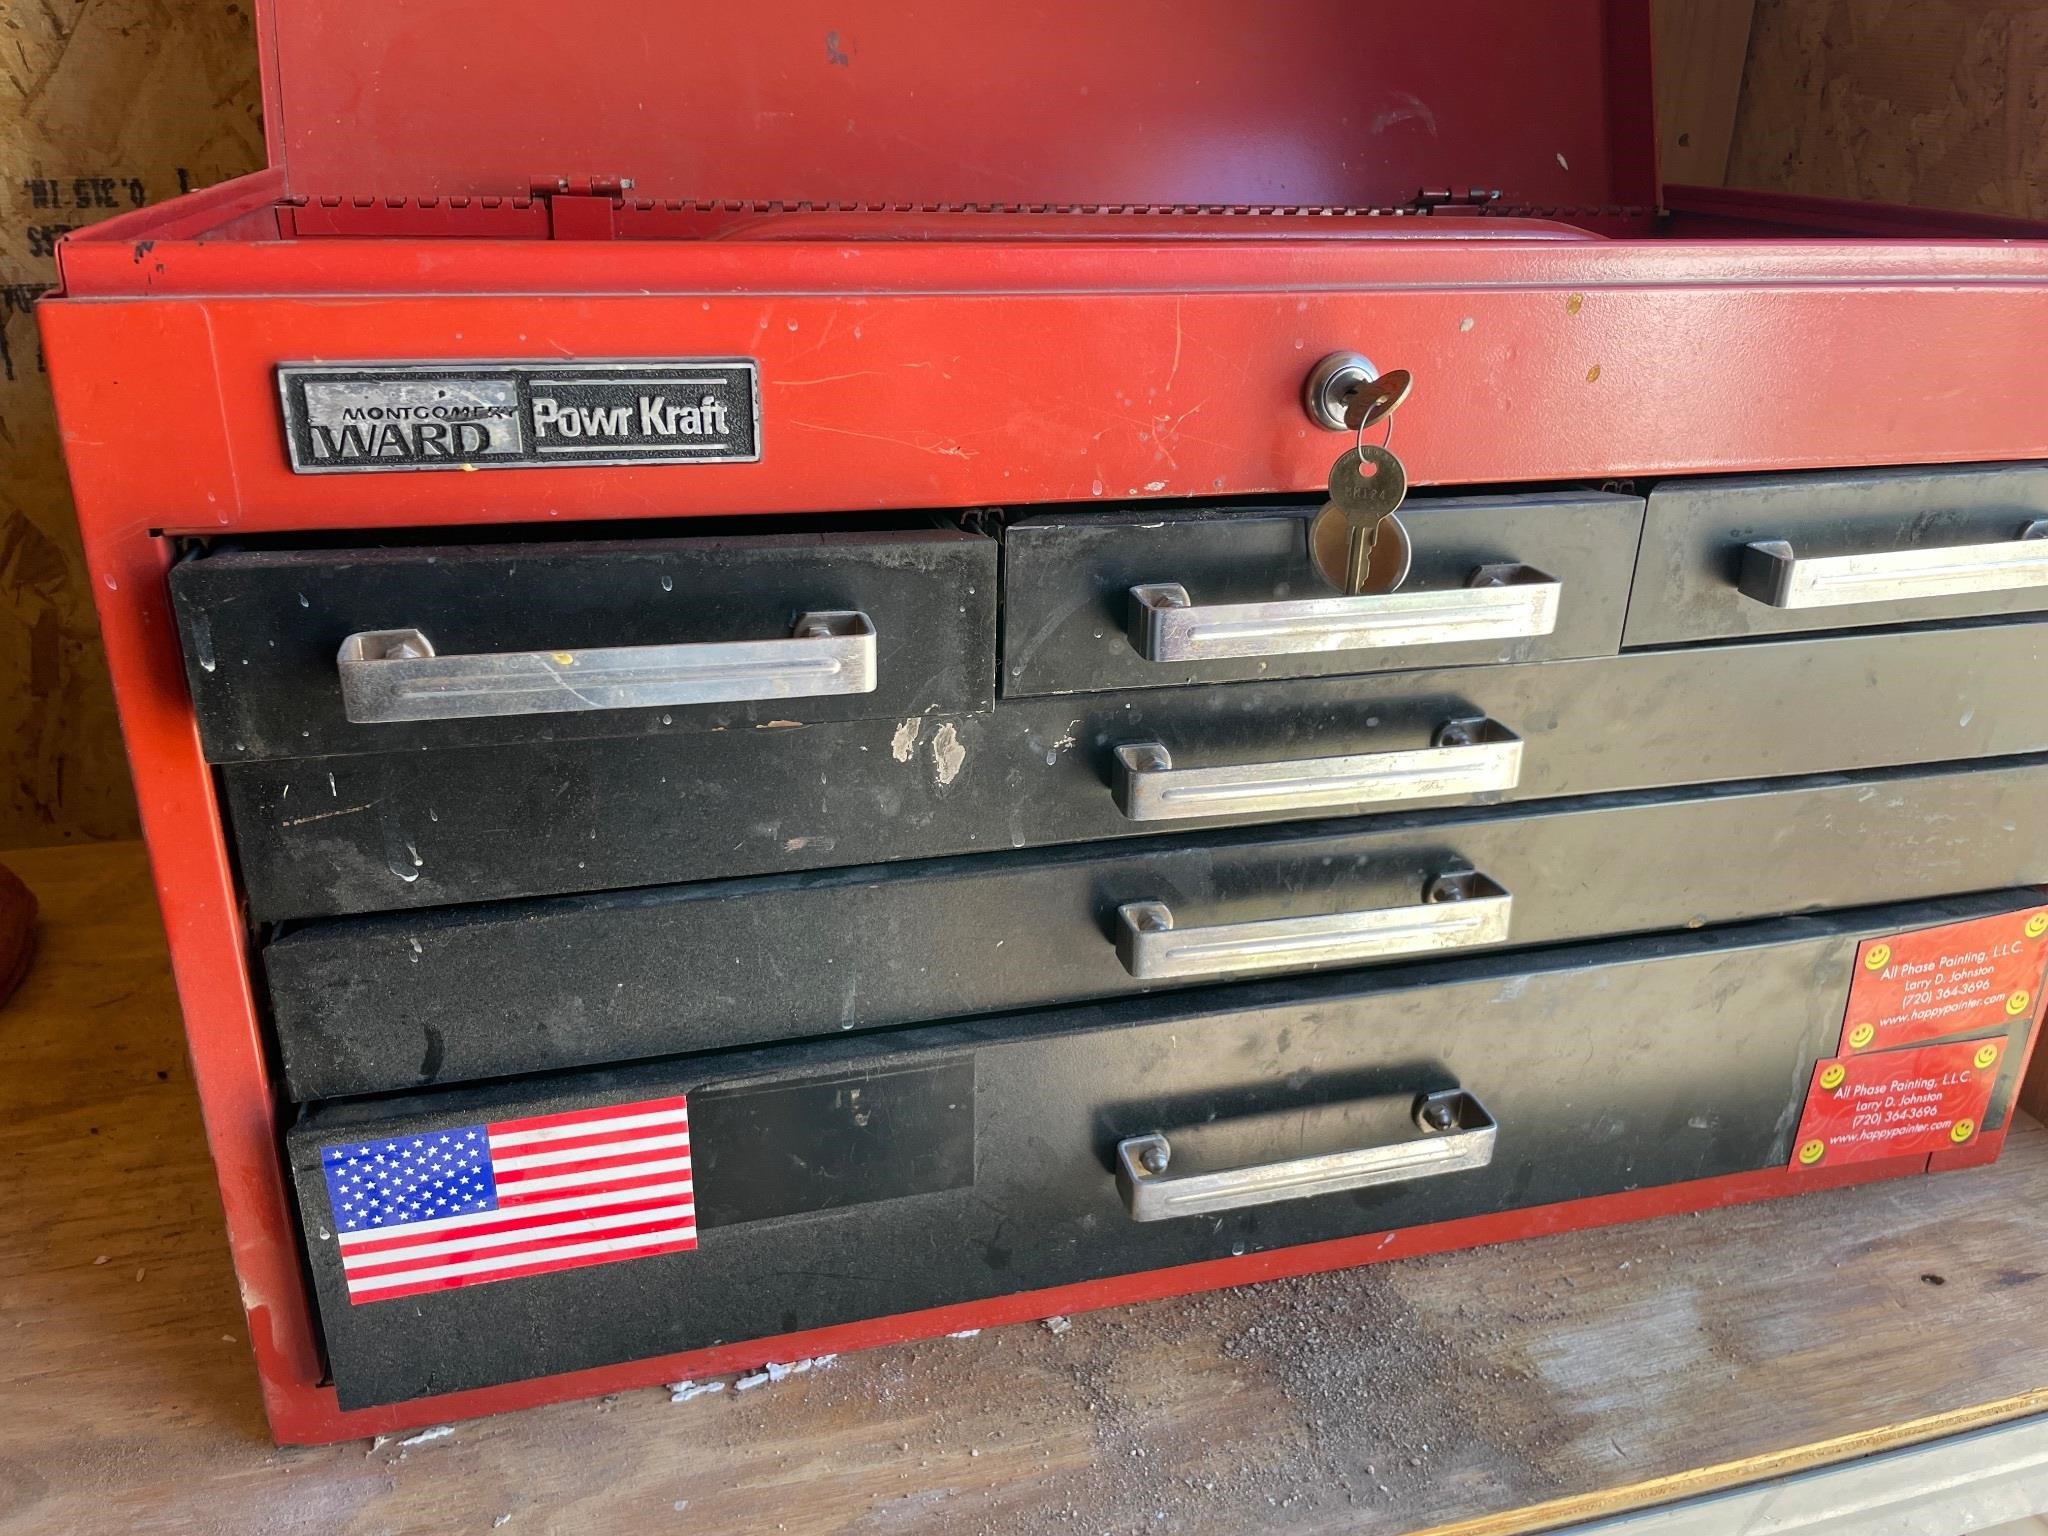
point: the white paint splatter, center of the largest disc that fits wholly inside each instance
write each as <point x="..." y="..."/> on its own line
<point x="683" y="1391"/>
<point x="779" y="1371"/>
<point x="949" y="755"/>
<point x="904" y="742"/>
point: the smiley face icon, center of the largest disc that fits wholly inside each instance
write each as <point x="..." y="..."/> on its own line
<point x="2037" y="925"/>
<point x="1962" y="1131"/>
<point x="2018" y="1003"/>
<point x="1879" y="956"/>
<point x="1833" y="1073"/>
<point x="1985" y="1056"/>
<point x="1861" y="1036"/>
<point x="1811" y="1152"/>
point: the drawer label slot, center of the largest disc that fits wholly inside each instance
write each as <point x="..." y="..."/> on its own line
<point x="368" y="418"/>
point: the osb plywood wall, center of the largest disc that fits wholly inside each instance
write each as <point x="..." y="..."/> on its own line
<point x="1938" y="102"/>
<point x="106" y="104"/>
<point x="110" y="103"/>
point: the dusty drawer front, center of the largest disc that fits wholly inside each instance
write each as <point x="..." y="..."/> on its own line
<point x="302" y="653"/>
<point x="366" y="833"/>
<point x="1836" y="549"/>
<point x="1293" y="1111"/>
<point x="1142" y="599"/>
<point x="369" y="1005"/>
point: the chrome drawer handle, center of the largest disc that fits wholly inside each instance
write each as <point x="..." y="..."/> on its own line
<point x="1468" y="757"/>
<point x="1456" y="1133"/>
<point x="1458" y="911"/>
<point x="1773" y="575"/>
<point x="1500" y="602"/>
<point x="393" y="674"/>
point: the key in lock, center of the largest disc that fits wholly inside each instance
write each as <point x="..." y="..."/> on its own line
<point x="1357" y="542"/>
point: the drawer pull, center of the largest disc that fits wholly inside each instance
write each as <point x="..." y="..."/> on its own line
<point x="1773" y="575"/>
<point x="1456" y="1133"/>
<point x="1458" y="911"/>
<point x="1500" y="602"/>
<point x="1468" y="757"/>
<point x="393" y="674"/>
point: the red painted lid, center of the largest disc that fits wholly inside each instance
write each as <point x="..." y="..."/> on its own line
<point x="1350" y="103"/>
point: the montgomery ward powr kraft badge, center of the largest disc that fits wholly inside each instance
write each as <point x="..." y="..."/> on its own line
<point x="355" y="418"/>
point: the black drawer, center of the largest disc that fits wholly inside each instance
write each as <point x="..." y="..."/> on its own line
<point x="370" y="1004"/>
<point x="544" y="641"/>
<point x="887" y="1173"/>
<point x="1072" y="625"/>
<point x="1833" y="550"/>
<point x="387" y="831"/>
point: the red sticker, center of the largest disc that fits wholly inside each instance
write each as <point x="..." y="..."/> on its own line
<point x="1975" y="977"/>
<point x="1898" y="1104"/>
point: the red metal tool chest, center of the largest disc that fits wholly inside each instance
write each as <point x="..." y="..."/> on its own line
<point x="820" y="627"/>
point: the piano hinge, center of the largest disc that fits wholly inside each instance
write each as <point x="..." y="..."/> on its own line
<point x="1455" y="201"/>
<point x="581" y="207"/>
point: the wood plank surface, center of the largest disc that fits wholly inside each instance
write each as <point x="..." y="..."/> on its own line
<point x="1491" y="1391"/>
<point x="1700" y="46"/>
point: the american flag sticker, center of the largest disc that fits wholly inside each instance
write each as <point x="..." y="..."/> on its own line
<point x="466" y="1204"/>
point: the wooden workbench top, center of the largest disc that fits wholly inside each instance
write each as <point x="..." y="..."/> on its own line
<point x="1506" y="1389"/>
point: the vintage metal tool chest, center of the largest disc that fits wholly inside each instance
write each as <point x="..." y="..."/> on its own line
<point x="723" y="627"/>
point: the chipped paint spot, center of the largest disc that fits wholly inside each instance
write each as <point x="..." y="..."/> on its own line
<point x="904" y="742"/>
<point x="1575" y="303"/>
<point x="1562" y="161"/>
<point x="1593" y="374"/>
<point x="1155" y="485"/>
<point x="1465" y="324"/>
<point x="948" y="754"/>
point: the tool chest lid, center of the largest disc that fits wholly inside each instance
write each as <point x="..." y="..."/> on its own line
<point x="1152" y="104"/>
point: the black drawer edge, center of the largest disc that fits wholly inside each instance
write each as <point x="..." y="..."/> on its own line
<point x="260" y="629"/>
<point x="1608" y="1067"/>
<point x="373" y="1004"/>
<point x="403" y="830"/>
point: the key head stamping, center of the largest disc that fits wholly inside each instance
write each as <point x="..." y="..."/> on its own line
<point x="1368" y="483"/>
